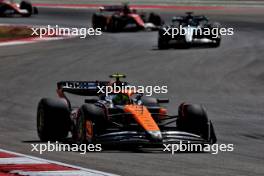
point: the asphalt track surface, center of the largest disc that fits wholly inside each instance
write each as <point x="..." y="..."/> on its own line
<point x="228" y="80"/>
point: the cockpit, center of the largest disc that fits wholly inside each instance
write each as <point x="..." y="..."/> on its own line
<point x="118" y="99"/>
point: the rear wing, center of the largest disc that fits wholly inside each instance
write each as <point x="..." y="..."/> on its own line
<point x="112" y="8"/>
<point x="184" y="18"/>
<point x="201" y="18"/>
<point x="84" y="88"/>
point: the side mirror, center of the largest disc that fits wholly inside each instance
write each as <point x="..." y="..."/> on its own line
<point x="138" y="97"/>
<point x="165" y="100"/>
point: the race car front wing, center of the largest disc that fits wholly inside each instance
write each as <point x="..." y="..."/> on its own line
<point x="135" y="137"/>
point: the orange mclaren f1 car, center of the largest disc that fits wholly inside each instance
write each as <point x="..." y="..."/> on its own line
<point x="121" y="18"/>
<point x="119" y="117"/>
<point x="10" y="8"/>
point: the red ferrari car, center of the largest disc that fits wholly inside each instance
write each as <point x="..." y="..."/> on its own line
<point x="10" y="8"/>
<point x="123" y="18"/>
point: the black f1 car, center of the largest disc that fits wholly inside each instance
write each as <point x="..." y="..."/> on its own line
<point x="121" y="18"/>
<point x="10" y="8"/>
<point x="119" y="117"/>
<point x="189" y="30"/>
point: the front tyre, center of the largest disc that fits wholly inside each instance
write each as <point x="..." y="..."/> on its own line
<point x="85" y="128"/>
<point x="89" y="123"/>
<point x="216" y="39"/>
<point x="53" y="119"/>
<point x="193" y="119"/>
<point x="217" y="42"/>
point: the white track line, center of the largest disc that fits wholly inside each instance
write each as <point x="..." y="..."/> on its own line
<point x="30" y="40"/>
<point x="53" y="173"/>
<point x="10" y="43"/>
<point x="33" y="40"/>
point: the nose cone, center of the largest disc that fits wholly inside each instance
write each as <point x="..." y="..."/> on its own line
<point x="155" y="136"/>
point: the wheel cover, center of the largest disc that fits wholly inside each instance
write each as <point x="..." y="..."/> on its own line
<point x="40" y="120"/>
<point x="89" y="130"/>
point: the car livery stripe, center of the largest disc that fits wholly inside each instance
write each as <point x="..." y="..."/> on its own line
<point x="138" y="19"/>
<point x="142" y="116"/>
<point x="34" y="167"/>
<point x="16" y="164"/>
<point x="6" y="155"/>
<point x="5" y="174"/>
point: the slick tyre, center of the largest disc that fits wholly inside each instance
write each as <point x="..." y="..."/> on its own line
<point x="89" y="123"/>
<point x="26" y="6"/>
<point x="99" y="21"/>
<point x="217" y="42"/>
<point x="155" y="19"/>
<point x="53" y="119"/>
<point x="162" y="43"/>
<point x="193" y="119"/>
<point x="113" y="25"/>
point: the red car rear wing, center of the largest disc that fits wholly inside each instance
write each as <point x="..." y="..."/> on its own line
<point x="112" y="8"/>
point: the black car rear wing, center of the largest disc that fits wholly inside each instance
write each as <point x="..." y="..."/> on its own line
<point x="85" y="88"/>
<point x="186" y="18"/>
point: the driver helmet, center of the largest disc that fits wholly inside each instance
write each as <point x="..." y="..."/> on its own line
<point x="120" y="99"/>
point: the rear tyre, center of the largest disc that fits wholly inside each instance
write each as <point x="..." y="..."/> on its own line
<point x="53" y="119"/>
<point x="90" y="122"/>
<point x="163" y="43"/>
<point x="26" y="6"/>
<point x="155" y="19"/>
<point x="113" y="25"/>
<point x="99" y="21"/>
<point x="193" y="119"/>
